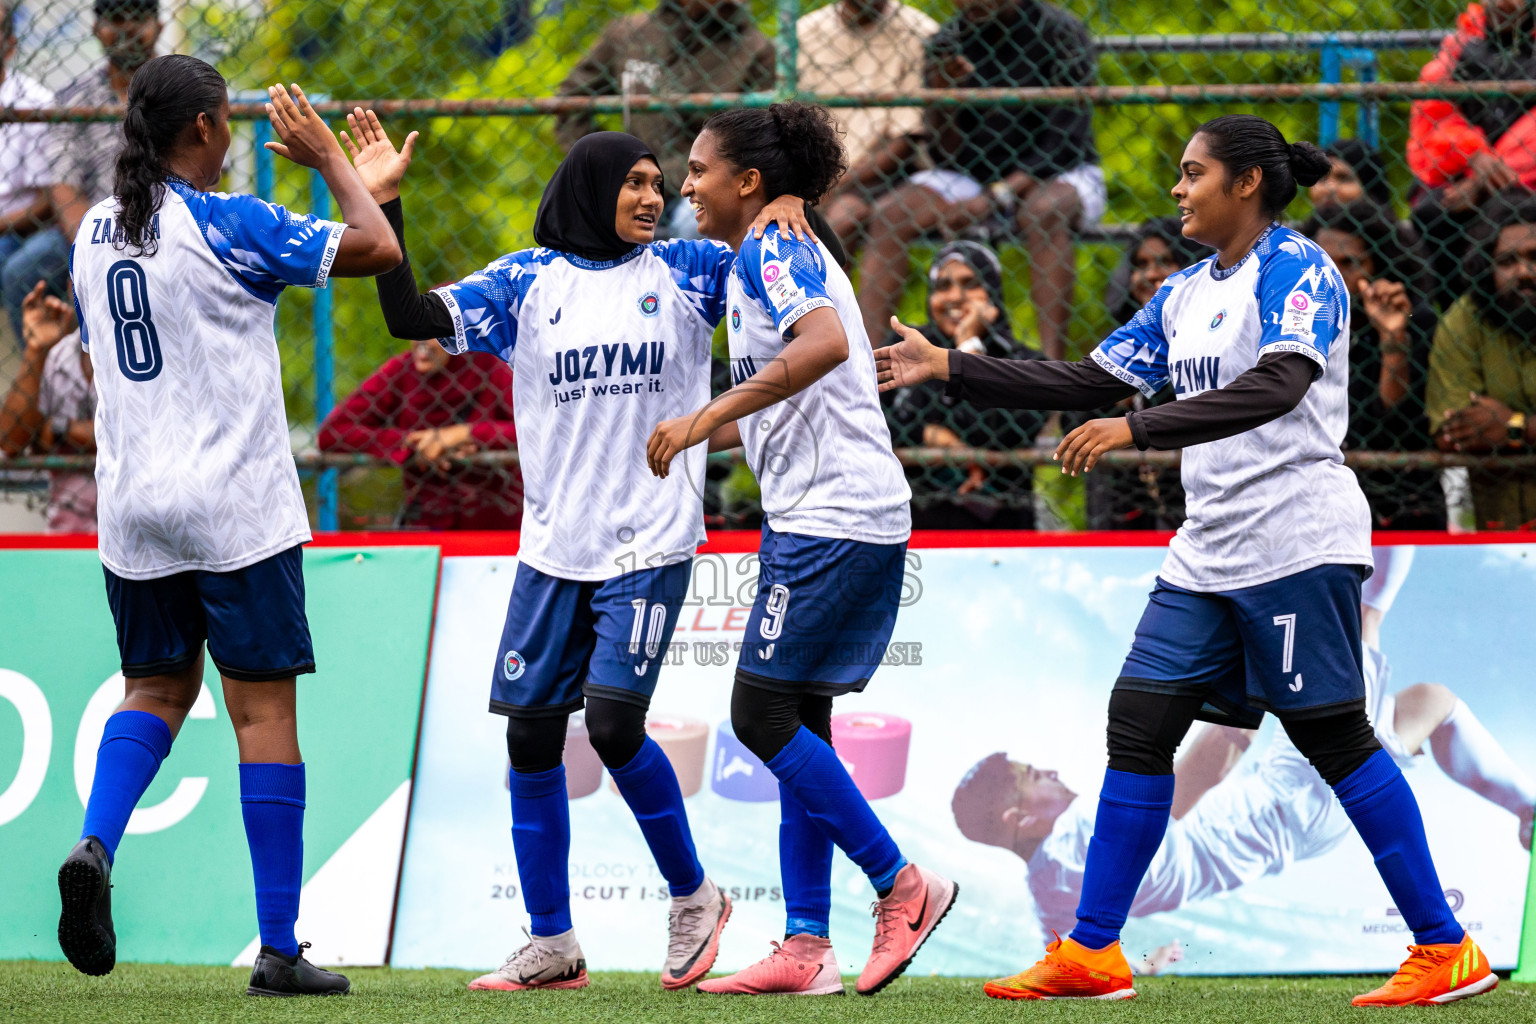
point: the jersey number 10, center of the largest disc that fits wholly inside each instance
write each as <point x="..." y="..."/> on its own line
<point x="138" y="346"/>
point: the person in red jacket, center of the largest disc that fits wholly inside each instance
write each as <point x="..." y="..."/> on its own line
<point x="420" y="410"/>
<point x="1463" y="151"/>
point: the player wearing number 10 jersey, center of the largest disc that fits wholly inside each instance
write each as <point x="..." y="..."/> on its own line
<point x="200" y="513"/>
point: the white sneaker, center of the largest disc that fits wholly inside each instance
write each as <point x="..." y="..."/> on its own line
<point x="694" y="925"/>
<point x="552" y="961"/>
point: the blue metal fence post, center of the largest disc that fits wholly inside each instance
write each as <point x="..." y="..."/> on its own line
<point x="325" y="366"/>
<point x="1328" y="111"/>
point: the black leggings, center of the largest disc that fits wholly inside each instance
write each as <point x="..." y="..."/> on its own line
<point x="766" y="720"/>
<point x="1146" y="728"/>
<point x="616" y="729"/>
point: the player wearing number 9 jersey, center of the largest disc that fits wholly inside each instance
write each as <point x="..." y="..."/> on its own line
<point x="1257" y="607"/>
<point x="201" y="519"/>
<point x="835" y="529"/>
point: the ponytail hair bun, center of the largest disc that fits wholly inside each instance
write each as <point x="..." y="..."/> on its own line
<point x="796" y="147"/>
<point x="1309" y="164"/>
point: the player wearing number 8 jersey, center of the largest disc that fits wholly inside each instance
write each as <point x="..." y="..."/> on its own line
<point x="1257" y="605"/>
<point x="835" y="530"/>
<point x="605" y="331"/>
<point x="200" y="513"/>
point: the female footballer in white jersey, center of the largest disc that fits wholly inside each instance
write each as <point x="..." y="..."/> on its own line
<point x="1257" y="606"/>
<point x="836" y="522"/>
<point x="201" y="518"/>
<point x="606" y="331"/>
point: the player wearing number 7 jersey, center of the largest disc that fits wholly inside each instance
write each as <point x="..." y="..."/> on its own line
<point x="1257" y="605"/>
<point x="606" y="330"/>
<point x="200" y="513"/>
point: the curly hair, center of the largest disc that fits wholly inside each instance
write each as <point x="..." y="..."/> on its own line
<point x="796" y="147"/>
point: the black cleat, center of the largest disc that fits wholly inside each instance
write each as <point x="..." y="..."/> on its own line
<point x="85" y="920"/>
<point x="279" y="975"/>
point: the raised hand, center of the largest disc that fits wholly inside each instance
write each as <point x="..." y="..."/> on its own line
<point x="788" y="212"/>
<point x="1387" y="305"/>
<point x="378" y="163"/>
<point x="911" y="361"/>
<point x="45" y="319"/>
<point x="306" y="138"/>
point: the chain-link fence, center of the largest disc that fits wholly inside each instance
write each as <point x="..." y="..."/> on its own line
<point x="1010" y="161"/>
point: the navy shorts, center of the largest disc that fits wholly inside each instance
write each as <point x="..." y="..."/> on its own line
<point x="824" y="613"/>
<point x="565" y="640"/>
<point x="1290" y="646"/>
<point x="252" y="620"/>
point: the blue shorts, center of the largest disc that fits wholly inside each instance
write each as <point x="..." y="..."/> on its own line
<point x="1290" y="646"/>
<point x="565" y="640"/>
<point x="252" y="620"/>
<point x="824" y="613"/>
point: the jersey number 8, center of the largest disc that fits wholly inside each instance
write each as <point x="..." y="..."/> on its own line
<point x="138" y="346"/>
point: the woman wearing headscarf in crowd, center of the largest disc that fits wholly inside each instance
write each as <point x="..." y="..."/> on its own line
<point x="607" y="332"/>
<point x="1391" y="327"/>
<point x="1141" y="497"/>
<point x="966" y="311"/>
<point x="1355" y="171"/>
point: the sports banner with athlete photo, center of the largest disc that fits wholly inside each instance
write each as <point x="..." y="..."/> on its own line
<point x="182" y="878"/>
<point x="981" y="743"/>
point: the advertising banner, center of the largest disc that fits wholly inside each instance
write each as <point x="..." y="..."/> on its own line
<point x="182" y="880"/>
<point x="981" y="743"/>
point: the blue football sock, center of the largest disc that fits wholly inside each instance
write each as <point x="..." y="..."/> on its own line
<point x="805" y="866"/>
<point x="649" y="785"/>
<point x="132" y="746"/>
<point x="811" y="772"/>
<point x="1377" y="799"/>
<point x="272" y="804"/>
<point x="541" y="838"/>
<point x="1132" y="817"/>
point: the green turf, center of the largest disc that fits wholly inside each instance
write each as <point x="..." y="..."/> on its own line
<point x="33" y="991"/>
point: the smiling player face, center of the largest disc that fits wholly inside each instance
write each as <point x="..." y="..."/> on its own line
<point x="716" y="191"/>
<point x="1212" y="205"/>
<point x="640" y="203"/>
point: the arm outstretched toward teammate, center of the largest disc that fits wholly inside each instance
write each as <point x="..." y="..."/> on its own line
<point x="368" y="247"/>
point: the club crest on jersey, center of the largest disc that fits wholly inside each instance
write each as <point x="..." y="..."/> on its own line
<point x="650" y="304"/>
<point x="1218" y="319"/>
<point x="513" y="666"/>
<point x="735" y="318"/>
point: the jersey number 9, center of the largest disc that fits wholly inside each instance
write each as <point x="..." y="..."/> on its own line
<point x="138" y="346"/>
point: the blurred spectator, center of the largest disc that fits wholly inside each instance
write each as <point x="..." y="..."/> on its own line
<point x="1035" y="167"/>
<point x="683" y="46"/>
<point x="1139" y="497"/>
<point x="1462" y="151"/>
<point x="1390" y="331"/>
<point x="82" y="155"/>
<point x="421" y="409"/>
<point x="1482" y="368"/>
<point x="865" y="46"/>
<point x="966" y="311"/>
<point x="24" y="171"/>
<point x="50" y="409"/>
<point x="1356" y="172"/>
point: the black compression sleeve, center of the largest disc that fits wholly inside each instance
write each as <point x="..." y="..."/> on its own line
<point x="1267" y="391"/>
<point x="990" y="383"/>
<point x="408" y="314"/>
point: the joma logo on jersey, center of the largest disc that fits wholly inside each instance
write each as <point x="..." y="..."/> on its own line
<point x="578" y="364"/>
<point x="741" y="369"/>
<point x="650" y="304"/>
<point x="1191" y="375"/>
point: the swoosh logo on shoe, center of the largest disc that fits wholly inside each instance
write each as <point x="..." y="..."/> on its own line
<point x="921" y="913"/>
<point x="569" y="973"/>
<point x="688" y="964"/>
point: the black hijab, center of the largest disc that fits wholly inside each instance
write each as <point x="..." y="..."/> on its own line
<point x="579" y="204"/>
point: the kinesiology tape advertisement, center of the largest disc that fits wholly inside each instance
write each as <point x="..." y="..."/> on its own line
<point x="980" y="743"/>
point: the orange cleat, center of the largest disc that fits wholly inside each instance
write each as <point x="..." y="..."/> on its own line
<point x="1435" y="974"/>
<point x="1069" y="971"/>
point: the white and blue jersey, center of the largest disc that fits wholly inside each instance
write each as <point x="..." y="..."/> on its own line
<point x="600" y="352"/>
<point x="194" y="468"/>
<point x="823" y="458"/>
<point x="1275" y="500"/>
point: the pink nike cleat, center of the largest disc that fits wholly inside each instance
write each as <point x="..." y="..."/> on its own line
<point x="802" y="965"/>
<point x="903" y="921"/>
